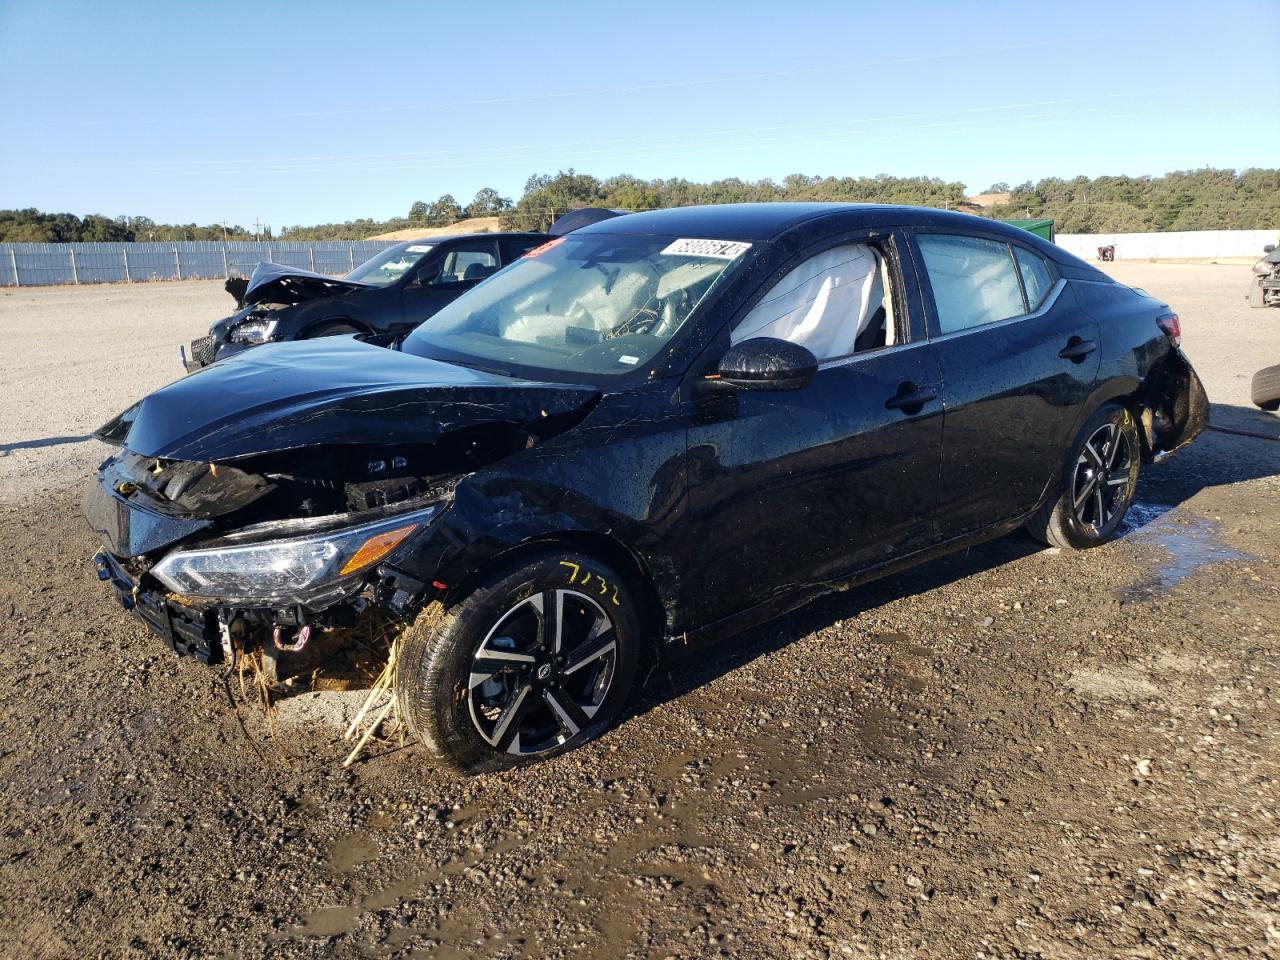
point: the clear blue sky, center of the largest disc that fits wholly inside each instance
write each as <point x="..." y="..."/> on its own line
<point x="303" y="113"/>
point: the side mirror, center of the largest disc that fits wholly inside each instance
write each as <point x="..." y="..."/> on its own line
<point x="767" y="363"/>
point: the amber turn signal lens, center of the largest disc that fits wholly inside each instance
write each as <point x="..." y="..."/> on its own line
<point x="375" y="548"/>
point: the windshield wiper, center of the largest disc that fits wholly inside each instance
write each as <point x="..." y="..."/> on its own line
<point x="483" y="368"/>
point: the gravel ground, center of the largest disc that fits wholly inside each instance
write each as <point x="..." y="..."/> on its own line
<point x="1011" y="752"/>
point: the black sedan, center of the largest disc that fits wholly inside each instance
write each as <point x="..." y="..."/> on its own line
<point x="384" y="297"/>
<point x="669" y="425"/>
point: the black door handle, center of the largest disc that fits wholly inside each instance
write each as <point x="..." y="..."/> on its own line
<point x="1076" y="349"/>
<point x="910" y="398"/>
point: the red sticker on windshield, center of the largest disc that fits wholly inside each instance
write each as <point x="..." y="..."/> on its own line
<point x="539" y="251"/>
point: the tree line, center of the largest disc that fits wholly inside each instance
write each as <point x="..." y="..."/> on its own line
<point x="1206" y="199"/>
<point x="33" y="226"/>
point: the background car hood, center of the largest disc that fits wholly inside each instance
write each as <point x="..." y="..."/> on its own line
<point x="276" y="283"/>
<point x="336" y="390"/>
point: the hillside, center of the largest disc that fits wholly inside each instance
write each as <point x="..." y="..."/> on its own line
<point x="470" y="225"/>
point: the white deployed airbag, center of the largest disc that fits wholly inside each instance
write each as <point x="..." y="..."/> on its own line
<point x="823" y="304"/>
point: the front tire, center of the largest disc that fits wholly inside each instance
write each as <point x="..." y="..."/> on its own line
<point x="1097" y="486"/>
<point x="536" y="660"/>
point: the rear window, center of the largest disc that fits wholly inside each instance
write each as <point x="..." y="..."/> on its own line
<point x="974" y="280"/>
<point x="1036" y="278"/>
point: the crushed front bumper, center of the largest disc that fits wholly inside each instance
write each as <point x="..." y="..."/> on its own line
<point x="200" y="353"/>
<point x="185" y="630"/>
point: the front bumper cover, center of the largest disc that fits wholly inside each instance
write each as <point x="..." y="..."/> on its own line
<point x="185" y="630"/>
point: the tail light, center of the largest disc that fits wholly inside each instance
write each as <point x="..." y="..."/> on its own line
<point x="1172" y="328"/>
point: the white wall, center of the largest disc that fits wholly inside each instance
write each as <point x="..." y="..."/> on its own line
<point x="1188" y="244"/>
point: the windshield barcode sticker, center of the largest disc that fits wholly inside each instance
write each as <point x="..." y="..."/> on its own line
<point x="717" y="249"/>
<point x="419" y="248"/>
<point x="628" y="360"/>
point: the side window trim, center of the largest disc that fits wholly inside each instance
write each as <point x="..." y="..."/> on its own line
<point x="1048" y="264"/>
<point x="932" y="321"/>
<point x="1022" y="284"/>
<point x="1049" y="300"/>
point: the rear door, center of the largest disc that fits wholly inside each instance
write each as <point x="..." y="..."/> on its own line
<point x="1018" y="362"/>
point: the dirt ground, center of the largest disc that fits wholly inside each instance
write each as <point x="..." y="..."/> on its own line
<point x="1011" y="752"/>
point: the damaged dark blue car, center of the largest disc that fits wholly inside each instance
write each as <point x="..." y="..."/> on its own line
<point x="669" y="425"/>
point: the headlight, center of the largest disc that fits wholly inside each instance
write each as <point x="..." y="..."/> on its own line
<point x="253" y="331"/>
<point x="290" y="569"/>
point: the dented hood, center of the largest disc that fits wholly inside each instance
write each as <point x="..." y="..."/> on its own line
<point x="276" y="283"/>
<point x="336" y="390"/>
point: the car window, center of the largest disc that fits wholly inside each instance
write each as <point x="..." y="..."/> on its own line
<point x="584" y="305"/>
<point x="473" y="261"/>
<point x="973" y="280"/>
<point x="1036" y="278"/>
<point x="514" y="248"/>
<point x="833" y="303"/>
<point x="390" y="265"/>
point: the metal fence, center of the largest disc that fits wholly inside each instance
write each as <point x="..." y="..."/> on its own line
<point x="41" y="264"/>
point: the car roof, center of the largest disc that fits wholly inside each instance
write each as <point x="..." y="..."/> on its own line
<point x="765" y="221"/>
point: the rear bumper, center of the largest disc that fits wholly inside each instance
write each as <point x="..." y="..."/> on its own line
<point x="184" y="630"/>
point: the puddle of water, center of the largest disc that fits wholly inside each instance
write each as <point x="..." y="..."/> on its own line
<point x="349" y="852"/>
<point x="1189" y="541"/>
<point x="328" y="921"/>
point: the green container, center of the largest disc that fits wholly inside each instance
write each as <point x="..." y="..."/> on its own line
<point x="1041" y="228"/>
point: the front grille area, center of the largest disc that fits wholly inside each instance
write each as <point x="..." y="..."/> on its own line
<point x="202" y="350"/>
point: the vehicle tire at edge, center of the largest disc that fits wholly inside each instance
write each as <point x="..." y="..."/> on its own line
<point x="439" y="649"/>
<point x="1265" y="389"/>
<point x="1058" y="523"/>
<point x="1256" y="296"/>
<point x="331" y="328"/>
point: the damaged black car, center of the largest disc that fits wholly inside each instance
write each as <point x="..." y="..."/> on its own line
<point x="659" y="429"/>
<point x="383" y="298"/>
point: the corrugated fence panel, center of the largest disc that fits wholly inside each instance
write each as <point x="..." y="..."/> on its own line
<point x="41" y="264"/>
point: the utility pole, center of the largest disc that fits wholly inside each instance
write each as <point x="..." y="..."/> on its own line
<point x="257" y="227"/>
<point x="224" y="230"/>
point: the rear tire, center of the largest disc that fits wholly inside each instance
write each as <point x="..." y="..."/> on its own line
<point x="1256" y="296"/>
<point x="1265" y="391"/>
<point x="536" y="660"/>
<point x="1097" y="484"/>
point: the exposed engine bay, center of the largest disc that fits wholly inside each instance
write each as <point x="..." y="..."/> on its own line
<point x="244" y="514"/>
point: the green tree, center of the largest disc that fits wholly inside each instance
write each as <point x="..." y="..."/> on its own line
<point x="444" y="211"/>
<point x="487" y="203"/>
<point x="418" y="211"/>
<point x="547" y="197"/>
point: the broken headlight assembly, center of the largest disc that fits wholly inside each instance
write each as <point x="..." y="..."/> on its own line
<point x="253" y="331"/>
<point x="288" y="569"/>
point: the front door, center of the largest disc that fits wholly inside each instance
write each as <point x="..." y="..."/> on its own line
<point x="795" y="487"/>
<point x="446" y="275"/>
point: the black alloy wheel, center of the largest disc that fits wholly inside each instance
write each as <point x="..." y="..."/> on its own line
<point x="1101" y="481"/>
<point x="1098" y="485"/>
<point x="536" y="658"/>
<point x="542" y="673"/>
